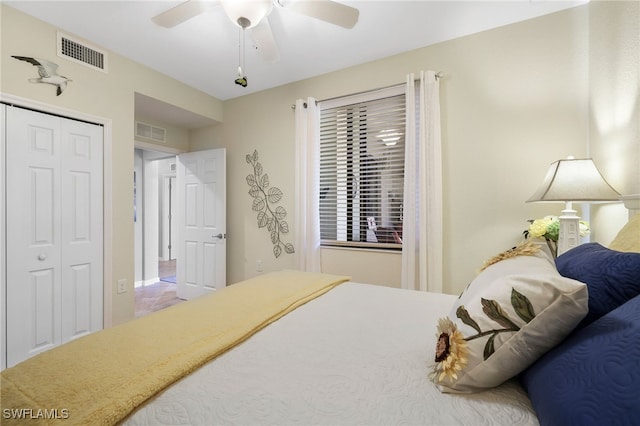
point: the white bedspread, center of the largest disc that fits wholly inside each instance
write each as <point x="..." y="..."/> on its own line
<point x="359" y="355"/>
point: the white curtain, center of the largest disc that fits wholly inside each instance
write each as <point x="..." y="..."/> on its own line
<point x="422" y="224"/>
<point x="307" y="224"/>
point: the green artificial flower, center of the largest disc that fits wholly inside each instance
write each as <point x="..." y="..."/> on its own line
<point x="553" y="230"/>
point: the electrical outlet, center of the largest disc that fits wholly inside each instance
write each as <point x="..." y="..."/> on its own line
<point x="259" y="265"/>
<point x="122" y="285"/>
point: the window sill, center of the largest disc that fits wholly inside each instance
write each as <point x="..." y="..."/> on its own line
<point x="365" y="247"/>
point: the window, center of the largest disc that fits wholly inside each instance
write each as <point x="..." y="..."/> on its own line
<point x="362" y="147"/>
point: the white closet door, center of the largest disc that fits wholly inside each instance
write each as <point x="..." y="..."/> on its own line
<point x="81" y="228"/>
<point x="54" y="231"/>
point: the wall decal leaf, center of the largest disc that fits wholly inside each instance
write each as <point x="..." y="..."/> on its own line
<point x="263" y="219"/>
<point x="280" y="213"/>
<point x="274" y="195"/>
<point x="258" y="204"/>
<point x="254" y="191"/>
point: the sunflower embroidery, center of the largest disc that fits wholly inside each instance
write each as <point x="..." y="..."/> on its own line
<point x="451" y="352"/>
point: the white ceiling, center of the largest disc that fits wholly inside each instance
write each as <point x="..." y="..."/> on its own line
<point x="203" y="51"/>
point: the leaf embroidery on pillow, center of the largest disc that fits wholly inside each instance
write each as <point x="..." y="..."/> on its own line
<point x="522" y="306"/>
<point x="492" y="309"/>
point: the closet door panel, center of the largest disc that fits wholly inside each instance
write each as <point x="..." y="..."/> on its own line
<point x="81" y="228"/>
<point x="54" y="204"/>
<point x="33" y="233"/>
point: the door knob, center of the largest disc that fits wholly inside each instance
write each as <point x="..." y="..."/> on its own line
<point x="42" y="256"/>
<point x="219" y="236"/>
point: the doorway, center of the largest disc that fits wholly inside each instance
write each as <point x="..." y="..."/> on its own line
<point x="154" y="209"/>
<point x="199" y="229"/>
<point x="155" y="262"/>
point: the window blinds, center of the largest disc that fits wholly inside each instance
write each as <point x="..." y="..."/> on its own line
<point x="362" y="169"/>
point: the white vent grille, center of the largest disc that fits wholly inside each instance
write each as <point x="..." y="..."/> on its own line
<point x="148" y="131"/>
<point x="81" y="53"/>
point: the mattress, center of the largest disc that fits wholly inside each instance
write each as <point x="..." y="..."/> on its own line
<point x="359" y="354"/>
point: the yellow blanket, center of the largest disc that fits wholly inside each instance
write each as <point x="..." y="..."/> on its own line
<point x="101" y="378"/>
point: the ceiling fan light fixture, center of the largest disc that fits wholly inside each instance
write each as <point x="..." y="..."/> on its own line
<point x="241" y="11"/>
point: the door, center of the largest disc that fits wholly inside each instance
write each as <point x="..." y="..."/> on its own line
<point x="54" y="284"/>
<point x="201" y="223"/>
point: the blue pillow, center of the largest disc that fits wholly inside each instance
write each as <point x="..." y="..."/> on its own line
<point x="593" y="377"/>
<point x="612" y="277"/>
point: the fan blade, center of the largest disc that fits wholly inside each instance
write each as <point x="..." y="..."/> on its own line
<point x="327" y="10"/>
<point x="180" y="13"/>
<point x="265" y="42"/>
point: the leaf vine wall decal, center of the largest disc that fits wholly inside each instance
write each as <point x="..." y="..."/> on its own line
<point x="264" y="200"/>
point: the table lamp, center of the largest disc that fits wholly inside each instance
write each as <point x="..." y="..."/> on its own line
<point x="573" y="179"/>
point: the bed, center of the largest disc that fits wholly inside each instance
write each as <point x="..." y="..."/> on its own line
<point x="546" y="351"/>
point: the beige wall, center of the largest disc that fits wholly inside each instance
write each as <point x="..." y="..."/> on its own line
<point x="109" y="96"/>
<point x="514" y="99"/>
<point x="614" y="107"/>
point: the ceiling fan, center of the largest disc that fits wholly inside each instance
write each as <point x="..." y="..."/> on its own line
<point x="253" y="14"/>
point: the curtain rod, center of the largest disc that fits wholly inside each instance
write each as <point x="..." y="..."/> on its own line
<point x="439" y="75"/>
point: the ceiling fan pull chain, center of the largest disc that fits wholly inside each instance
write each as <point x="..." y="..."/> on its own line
<point x="242" y="78"/>
<point x="243" y="47"/>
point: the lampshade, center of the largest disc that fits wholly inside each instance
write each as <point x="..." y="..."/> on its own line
<point x="241" y="11"/>
<point x="574" y="180"/>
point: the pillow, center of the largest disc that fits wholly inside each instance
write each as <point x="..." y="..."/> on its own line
<point x="612" y="277"/>
<point x="593" y="377"/>
<point x="508" y="316"/>
<point x="628" y="239"/>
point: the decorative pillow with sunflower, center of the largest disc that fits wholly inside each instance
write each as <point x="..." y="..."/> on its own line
<point x="514" y="311"/>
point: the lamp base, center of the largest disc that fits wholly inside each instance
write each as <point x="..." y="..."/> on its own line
<point x="569" y="233"/>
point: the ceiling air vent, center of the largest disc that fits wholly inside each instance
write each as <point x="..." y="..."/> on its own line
<point x="148" y="131"/>
<point x="81" y="53"/>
